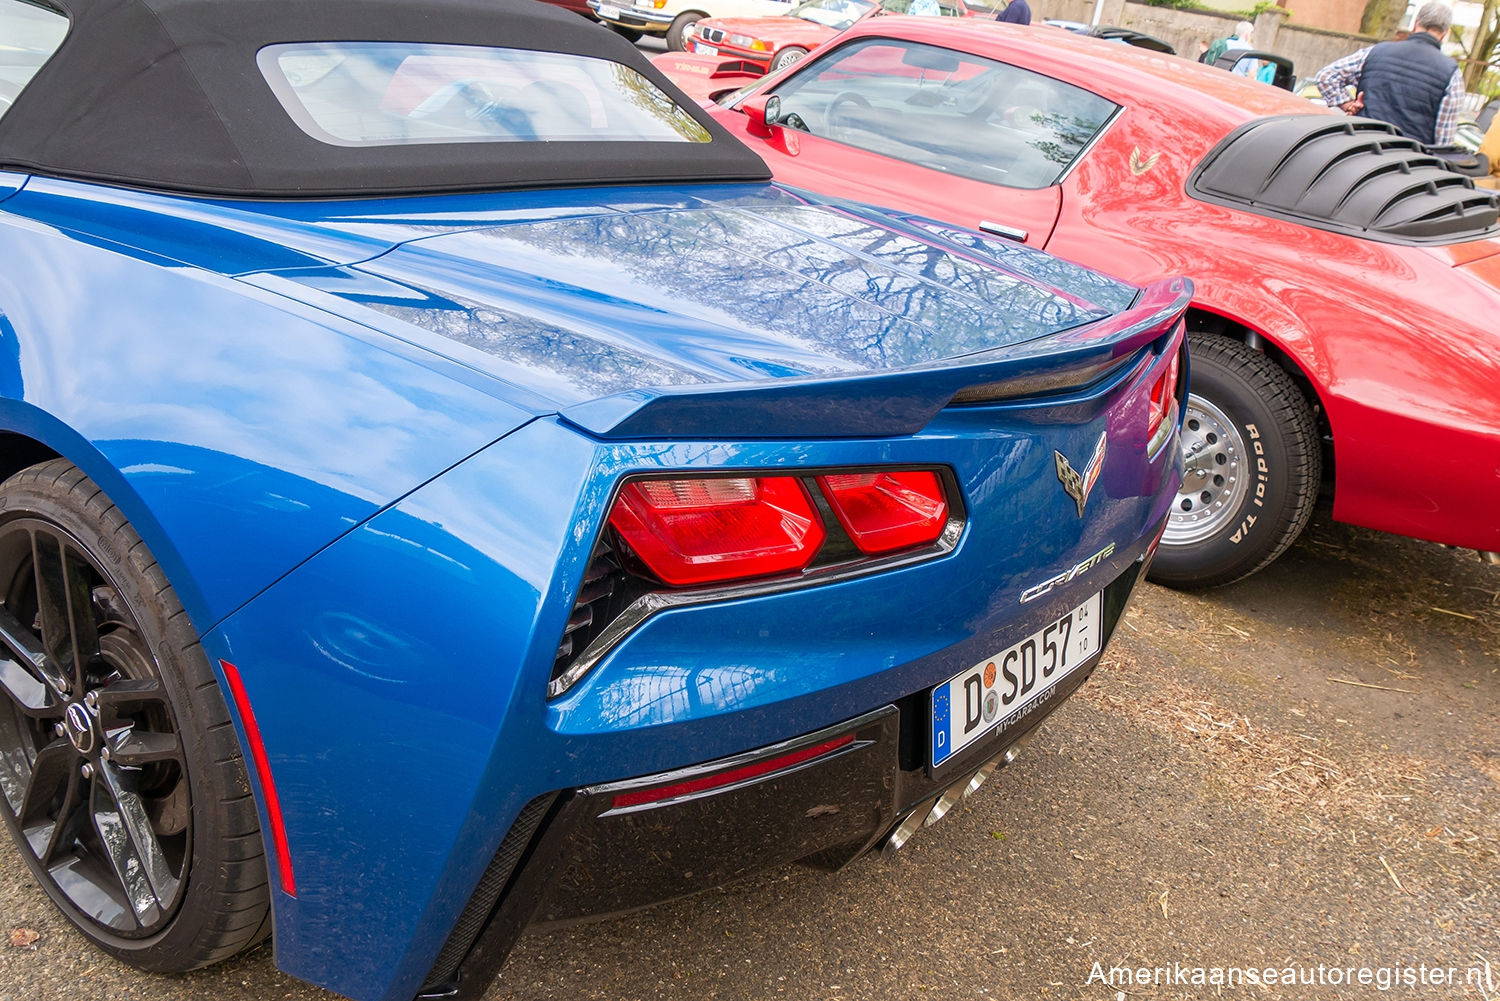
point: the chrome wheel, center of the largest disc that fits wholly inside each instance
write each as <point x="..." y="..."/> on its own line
<point x="787" y="56"/>
<point x="91" y="765"/>
<point x="1216" y="475"/>
<point x="1252" y="466"/>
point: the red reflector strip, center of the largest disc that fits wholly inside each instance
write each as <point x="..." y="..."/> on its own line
<point x="263" y="771"/>
<point x="731" y="777"/>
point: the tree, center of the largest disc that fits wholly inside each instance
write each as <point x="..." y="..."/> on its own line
<point x="1479" y="46"/>
<point x="1382" y="17"/>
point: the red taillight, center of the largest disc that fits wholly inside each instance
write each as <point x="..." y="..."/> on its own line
<point x="710" y="529"/>
<point x="1163" y="404"/>
<point x="883" y="512"/>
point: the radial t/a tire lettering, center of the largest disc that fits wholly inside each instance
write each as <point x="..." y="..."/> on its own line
<point x="120" y="775"/>
<point x="1253" y="464"/>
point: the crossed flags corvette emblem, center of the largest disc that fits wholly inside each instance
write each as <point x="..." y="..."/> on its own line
<point x="1078" y="484"/>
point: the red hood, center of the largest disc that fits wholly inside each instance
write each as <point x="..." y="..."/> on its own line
<point x="783" y="30"/>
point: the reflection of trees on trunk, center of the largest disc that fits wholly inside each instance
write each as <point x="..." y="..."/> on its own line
<point x="566" y="365"/>
<point x="764" y="288"/>
<point x="1089" y="287"/>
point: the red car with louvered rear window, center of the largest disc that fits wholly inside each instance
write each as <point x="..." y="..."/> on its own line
<point x="1342" y="326"/>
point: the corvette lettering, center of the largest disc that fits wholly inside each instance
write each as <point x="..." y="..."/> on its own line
<point x="1033" y="593"/>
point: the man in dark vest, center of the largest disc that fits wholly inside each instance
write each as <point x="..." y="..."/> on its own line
<point x="1409" y="83"/>
<point x="1016" y="12"/>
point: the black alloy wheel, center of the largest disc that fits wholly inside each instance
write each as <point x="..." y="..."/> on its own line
<point x="106" y="779"/>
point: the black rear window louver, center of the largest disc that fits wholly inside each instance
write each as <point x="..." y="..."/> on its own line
<point x="1348" y="175"/>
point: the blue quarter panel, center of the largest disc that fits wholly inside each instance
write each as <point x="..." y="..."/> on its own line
<point x="197" y="402"/>
<point x="436" y="625"/>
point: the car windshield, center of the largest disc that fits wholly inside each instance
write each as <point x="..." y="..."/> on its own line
<point x="946" y="110"/>
<point x="837" y="14"/>
<point x="29" y="34"/>
<point x="397" y="93"/>
<point x="905" y="7"/>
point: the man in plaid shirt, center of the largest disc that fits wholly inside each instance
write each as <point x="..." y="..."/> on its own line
<point x="1409" y="83"/>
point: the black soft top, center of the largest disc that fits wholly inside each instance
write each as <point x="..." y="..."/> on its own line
<point x="166" y="94"/>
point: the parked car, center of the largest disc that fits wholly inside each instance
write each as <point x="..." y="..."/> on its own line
<point x="1111" y="33"/>
<point x="577" y="7"/>
<point x="448" y="488"/>
<point x="670" y="19"/>
<point x="1345" y="282"/>
<point x="774" y="43"/>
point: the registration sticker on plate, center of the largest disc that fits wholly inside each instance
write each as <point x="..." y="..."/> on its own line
<point x="609" y="12"/>
<point x="1000" y="691"/>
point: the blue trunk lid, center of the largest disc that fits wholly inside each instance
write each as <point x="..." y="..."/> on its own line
<point x="637" y="318"/>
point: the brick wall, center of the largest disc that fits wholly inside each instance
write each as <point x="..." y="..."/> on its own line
<point x="1310" y="49"/>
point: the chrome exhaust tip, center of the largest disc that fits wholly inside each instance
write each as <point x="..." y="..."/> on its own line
<point x="898" y="838"/>
<point x="1493" y="559"/>
<point x="929" y="814"/>
<point x="965" y="788"/>
<point x="947" y="801"/>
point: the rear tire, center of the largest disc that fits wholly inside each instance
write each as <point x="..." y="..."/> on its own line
<point x="1253" y="467"/>
<point x="120" y="774"/>
<point x="675" y="40"/>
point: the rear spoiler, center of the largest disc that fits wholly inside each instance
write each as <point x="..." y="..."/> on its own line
<point x="898" y="402"/>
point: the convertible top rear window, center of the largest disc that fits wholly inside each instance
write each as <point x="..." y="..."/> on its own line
<point x="29" y="34"/>
<point x="379" y="94"/>
<point x="360" y="98"/>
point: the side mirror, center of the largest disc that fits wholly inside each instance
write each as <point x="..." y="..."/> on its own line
<point x="764" y="112"/>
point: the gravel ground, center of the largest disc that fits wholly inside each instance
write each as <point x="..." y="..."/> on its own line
<point x="1301" y="770"/>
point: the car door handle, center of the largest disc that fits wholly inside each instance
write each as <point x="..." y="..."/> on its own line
<point x="1009" y="232"/>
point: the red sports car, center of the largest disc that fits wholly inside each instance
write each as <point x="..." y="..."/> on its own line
<point x="1343" y="331"/>
<point x="774" y="43"/>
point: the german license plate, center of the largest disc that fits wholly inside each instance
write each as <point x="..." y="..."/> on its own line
<point x="705" y="50"/>
<point x="609" y="12"/>
<point x="1001" y="690"/>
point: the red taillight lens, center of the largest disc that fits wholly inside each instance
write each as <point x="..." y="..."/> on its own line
<point x="883" y="512"/>
<point x="1163" y="404"/>
<point x="710" y="529"/>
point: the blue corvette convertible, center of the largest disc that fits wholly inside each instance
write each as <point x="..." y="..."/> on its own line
<point x="447" y="489"/>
